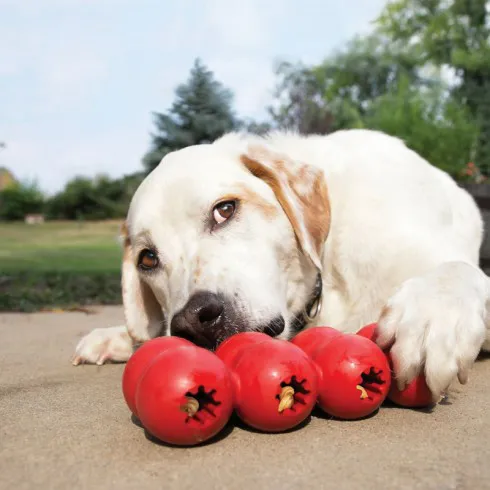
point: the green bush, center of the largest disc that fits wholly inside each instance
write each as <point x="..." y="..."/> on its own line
<point x="95" y="198"/>
<point x="430" y="122"/>
<point x="32" y="291"/>
<point x="17" y="200"/>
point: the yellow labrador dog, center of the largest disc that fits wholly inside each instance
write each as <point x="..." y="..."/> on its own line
<point x="279" y="233"/>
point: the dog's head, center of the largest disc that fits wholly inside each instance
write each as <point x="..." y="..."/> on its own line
<point x="224" y="238"/>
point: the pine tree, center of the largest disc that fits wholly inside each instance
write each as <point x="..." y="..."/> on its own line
<point x="200" y="114"/>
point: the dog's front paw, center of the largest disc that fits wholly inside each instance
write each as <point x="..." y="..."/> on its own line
<point x="104" y="344"/>
<point x="436" y="324"/>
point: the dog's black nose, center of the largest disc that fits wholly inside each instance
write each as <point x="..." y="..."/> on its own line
<point x="200" y="320"/>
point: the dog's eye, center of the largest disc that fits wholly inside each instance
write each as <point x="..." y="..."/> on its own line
<point x="147" y="260"/>
<point x="223" y="211"/>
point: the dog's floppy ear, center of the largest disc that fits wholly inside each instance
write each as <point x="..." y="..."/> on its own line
<point x="302" y="193"/>
<point x="143" y="313"/>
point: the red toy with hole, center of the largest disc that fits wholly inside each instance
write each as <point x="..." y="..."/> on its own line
<point x="140" y="360"/>
<point x="276" y="383"/>
<point x="185" y="396"/>
<point x="355" y="376"/>
<point x="416" y="394"/>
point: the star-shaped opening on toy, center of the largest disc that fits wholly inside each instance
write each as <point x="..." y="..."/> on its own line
<point x="369" y="383"/>
<point x="199" y="401"/>
<point x="291" y="393"/>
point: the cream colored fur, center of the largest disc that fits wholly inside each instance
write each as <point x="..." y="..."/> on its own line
<point x="404" y="240"/>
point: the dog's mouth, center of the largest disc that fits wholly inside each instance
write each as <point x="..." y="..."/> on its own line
<point x="208" y="319"/>
<point x="273" y="328"/>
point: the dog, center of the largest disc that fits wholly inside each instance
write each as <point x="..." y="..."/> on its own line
<point x="281" y="232"/>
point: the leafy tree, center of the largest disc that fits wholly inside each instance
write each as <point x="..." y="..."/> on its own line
<point x="376" y="84"/>
<point x="6" y="178"/>
<point x="299" y="104"/>
<point x="77" y="200"/>
<point x="201" y="113"/>
<point x="365" y="69"/>
<point x="454" y="34"/>
<point x="19" y="199"/>
<point x="92" y="199"/>
<point x="337" y="93"/>
<point x="254" y="127"/>
<point x="429" y="121"/>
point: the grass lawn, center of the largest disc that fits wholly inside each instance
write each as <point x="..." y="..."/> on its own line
<point x="58" y="264"/>
<point x="60" y="246"/>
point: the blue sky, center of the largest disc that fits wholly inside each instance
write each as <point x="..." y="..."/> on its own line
<point x="79" y="79"/>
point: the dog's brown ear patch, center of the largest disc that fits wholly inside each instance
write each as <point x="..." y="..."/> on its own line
<point x="301" y="191"/>
<point x="269" y="210"/>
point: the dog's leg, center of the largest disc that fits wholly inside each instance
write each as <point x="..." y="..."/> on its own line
<point x="437" y="323"/>
<point x="104" y="344"/>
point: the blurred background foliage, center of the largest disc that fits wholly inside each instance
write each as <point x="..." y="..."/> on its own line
<point x="422" y="74"/>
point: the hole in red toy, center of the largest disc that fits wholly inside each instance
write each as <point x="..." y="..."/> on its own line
<point x="201" y="400"/>
<point x="369" y="382"/>
<point x="290" y="393"/>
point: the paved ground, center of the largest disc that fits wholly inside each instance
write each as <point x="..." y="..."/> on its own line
<point x="65" y="427"/>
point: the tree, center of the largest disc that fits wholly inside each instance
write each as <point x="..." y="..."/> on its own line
<point x="365" y="69"/>
<point x="429" y="121"/>
<point x="94" y="199"/>
<point x="254" y="127"/>
<point x="337" y="93"/>
<point x="77" y="200"/>
<point x="375" y="84"/>
<point x="19" y="199"/>
<point x="200" y="114"/>
<point x="454" y="34"/>
<point x="299" y="104"/>
<point x="6" y="178"/>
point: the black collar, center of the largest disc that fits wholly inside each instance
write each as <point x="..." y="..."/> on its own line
<point x="310" y="310"/>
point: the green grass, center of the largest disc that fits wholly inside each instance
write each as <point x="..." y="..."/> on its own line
<point x="59" y="264"/>
<point x="60" y="246"/>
